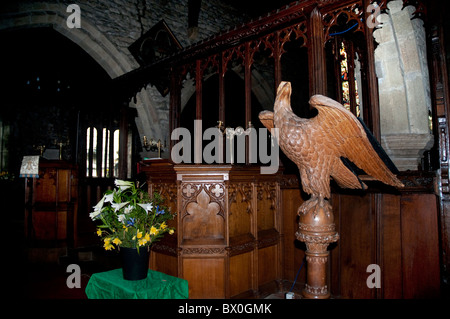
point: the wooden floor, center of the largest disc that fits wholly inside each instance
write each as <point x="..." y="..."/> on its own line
<point x="43" y="277"/>
<point x="43" y="274"/>
<point x="37" y="275"/>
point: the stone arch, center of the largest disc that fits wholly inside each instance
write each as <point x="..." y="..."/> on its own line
<point x="94" y="43"/>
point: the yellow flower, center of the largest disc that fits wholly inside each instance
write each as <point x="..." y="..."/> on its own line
<point x="117" y="241"/>
<point x="108" y="245"/>
<point x="142" y="241"/>
<point x="99" y="232"/>
<point x="171" y="232"/>
<point x="126" y="228"/>
<point x="153" y="230"/>
<point x="139" y="234"/>
<point x="147" y="237"/>
<point x="163" y="226"/>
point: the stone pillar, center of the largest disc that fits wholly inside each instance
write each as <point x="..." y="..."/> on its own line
<point x="404" y="89"/>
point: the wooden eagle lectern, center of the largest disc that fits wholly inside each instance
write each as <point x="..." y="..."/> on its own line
<point x="316" y="145"/>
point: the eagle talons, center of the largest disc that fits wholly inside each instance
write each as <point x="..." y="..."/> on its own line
<point x="315" y="205"/>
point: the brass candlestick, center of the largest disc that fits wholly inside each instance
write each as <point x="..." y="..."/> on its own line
<point x="61" y="144"/>
<point x="153" y="145"/>
<point x="40" y="148"/>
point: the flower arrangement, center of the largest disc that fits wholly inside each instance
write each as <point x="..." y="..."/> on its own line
<point x="130" y="218"/>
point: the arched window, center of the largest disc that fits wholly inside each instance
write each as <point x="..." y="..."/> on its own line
<point x="349" y="80"/>
<point x="91" y="152"/>
<point x="349" y="76"/>
<point x="102" y="152"/>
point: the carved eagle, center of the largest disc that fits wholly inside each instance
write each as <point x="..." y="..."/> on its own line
<point x="316" y="145"/>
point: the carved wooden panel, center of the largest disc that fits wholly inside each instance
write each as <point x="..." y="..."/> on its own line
<point x="267" y="202"/>
<point x="240" y="201"/>
<point x="202" y="213"/>
<point x="52" y="211"/>
<point x="350" y="14"/>
<point x="202" y="220"/>
<point x="46" y="185"/>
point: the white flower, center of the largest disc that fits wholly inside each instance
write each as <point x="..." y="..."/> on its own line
<point x="94" y="214"/>
<point x="147" y="206"/>
<point x="128" y="209"/>
<point x="97" y="209"/>
<point x="121" y="218"/>
<point x="109" y="197"/>
<point x="99" y="205"/>
<point x="118" y="206"/>
<point x="123" y="185"/>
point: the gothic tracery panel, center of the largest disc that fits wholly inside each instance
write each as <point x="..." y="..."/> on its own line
<point x="241" y="209"/>
<point x="203" y="213"/>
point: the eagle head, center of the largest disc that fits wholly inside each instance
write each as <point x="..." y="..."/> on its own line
<point x="283" y="99"/>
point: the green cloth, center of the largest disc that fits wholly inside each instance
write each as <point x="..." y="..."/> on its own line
<point x="157" y="285"/>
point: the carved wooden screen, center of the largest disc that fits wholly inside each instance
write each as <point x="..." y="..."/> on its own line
<point x="318" y="25"/>
<point x="234" y="85"/>
<point x="300" y="44"/>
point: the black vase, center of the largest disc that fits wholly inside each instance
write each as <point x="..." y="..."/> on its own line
<point x="134" y="263"/>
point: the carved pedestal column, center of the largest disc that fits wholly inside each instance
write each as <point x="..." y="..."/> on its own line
<point x="317" y="231"/>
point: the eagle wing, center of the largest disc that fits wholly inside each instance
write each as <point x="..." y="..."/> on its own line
<point x="345" y="137"/>
<point x="266" y="118"/>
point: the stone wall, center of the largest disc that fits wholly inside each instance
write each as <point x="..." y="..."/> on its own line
<point x="404" y="89"/>
<point x="109" y="27"/>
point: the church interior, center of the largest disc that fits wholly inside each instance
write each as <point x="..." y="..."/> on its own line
<point x="95" y="96"/>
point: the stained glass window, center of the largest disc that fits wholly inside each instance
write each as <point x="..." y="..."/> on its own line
<point x="345" y="81"/>
<point x="358" y="105"/>
<point x="344" y="77"/>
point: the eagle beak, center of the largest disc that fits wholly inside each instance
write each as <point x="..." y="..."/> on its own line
<point x="284" y="87"/>
<point x="284" y="91"/>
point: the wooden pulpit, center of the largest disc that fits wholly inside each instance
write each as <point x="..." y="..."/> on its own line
<point x="228" y="239"/>
<point x="51" y="204"/>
